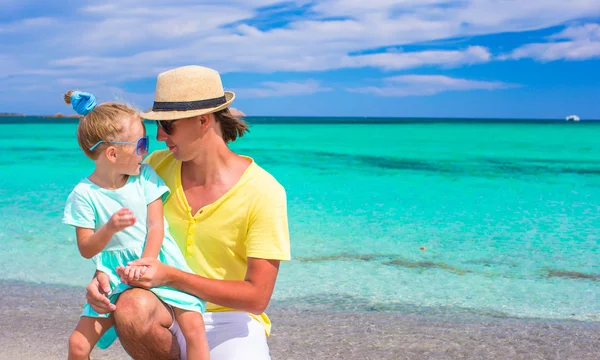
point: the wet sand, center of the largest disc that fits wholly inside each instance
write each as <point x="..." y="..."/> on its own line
<point x="36" y="321"/>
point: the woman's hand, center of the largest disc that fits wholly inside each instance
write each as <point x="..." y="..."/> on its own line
<point x="97" y="292"/>
<point x="155" y="275"/>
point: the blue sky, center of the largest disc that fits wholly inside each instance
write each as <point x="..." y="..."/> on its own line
<point x="410" y="58"/>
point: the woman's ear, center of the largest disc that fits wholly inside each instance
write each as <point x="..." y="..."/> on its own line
<point x="205" y="121"/>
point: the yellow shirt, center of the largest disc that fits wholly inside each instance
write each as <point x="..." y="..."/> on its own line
<point x="250" y="220"/>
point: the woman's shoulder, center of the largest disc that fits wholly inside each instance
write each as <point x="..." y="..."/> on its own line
<point x="262" y="180"/>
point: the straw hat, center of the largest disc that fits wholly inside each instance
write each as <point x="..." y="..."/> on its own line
<point x="186" y="92"/>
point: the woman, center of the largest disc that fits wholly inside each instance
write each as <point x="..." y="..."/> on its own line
<point x="228" y="216"/>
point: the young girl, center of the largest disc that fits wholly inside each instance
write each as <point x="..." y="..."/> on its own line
<point x="117" y="212"/>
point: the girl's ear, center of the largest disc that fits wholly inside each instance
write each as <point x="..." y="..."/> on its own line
<point x="111" y="154"/>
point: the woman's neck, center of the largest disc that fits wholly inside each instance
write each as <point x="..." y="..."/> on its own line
<point x="217" y="164"/>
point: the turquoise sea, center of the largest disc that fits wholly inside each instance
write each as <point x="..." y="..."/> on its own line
<point x="426" y="215"/>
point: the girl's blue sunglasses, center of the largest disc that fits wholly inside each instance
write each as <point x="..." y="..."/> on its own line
<point x="141" y="146"/>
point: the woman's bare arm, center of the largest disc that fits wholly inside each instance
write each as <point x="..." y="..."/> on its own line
<point x="252" y="294"/>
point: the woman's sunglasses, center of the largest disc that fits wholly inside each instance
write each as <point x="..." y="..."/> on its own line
<point x="141" y="146"/>
<point x="167" y="126"/>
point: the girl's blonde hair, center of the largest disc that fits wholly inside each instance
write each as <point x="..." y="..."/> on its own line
<point x="104" y="122"/>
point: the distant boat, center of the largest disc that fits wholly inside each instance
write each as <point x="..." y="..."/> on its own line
<point x="573" y="118"/>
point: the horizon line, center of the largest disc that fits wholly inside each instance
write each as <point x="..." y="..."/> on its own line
<point x="74" y="116"/>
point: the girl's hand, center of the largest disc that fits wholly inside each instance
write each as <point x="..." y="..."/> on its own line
<point x="121" y="220"/>
<point x="155" y="274"/>
<point x="134" y="272"/>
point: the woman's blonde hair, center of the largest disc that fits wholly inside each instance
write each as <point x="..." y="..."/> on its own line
<point x="104" y="122"/>
<point x="231" y="126"/>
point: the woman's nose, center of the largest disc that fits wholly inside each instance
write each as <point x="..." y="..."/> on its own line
<point x="160" y="134"/>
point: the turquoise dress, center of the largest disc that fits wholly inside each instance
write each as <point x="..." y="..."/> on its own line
<point x="90" y="206"/>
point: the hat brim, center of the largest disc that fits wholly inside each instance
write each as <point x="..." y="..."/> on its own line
<point x="175" y="115"/>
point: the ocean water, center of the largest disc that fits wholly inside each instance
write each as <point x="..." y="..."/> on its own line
<point x="444" y="217"/>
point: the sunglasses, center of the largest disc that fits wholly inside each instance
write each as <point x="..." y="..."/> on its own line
<point x="141" y="146"/>
<point x="167" y="126"/>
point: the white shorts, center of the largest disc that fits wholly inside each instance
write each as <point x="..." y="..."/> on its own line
<point x="231" y="335"/>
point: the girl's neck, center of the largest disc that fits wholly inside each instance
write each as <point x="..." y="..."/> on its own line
<point x="107" y="178"/>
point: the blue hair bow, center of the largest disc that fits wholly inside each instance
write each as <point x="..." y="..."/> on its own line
<point x="83" y="102"/>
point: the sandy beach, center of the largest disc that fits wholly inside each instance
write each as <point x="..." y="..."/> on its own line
<point x="37" y="320"/>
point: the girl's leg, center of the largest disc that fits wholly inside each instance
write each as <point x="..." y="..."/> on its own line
<point x="85" y="336"/>
<point x="191" y="324"/>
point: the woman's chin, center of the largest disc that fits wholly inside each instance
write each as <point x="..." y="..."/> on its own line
<point x="176" y="154"/>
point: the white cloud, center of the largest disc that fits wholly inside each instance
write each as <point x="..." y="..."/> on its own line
<point x="581" y="43"/>
<point x="397" y="61"/>
<point x="135" y="39"/>
<point x="568" y="50"/>
<point x="583" y="32"/>
<point x="424" y="85"/>
<point x="290" y="88"/>
<point x="467" y="17"/>
<point x="115" y="34"/>
<point x="139" y="24"/>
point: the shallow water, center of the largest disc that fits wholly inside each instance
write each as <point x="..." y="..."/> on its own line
<point x="466" y="217"/>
